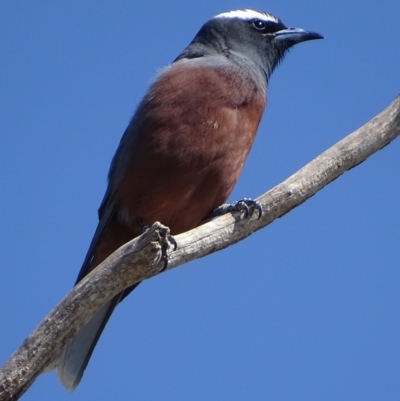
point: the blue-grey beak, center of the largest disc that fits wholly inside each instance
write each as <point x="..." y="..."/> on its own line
<point x="296" y="35"/>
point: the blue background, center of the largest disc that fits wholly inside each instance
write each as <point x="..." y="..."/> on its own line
<point x="306" y="309"/>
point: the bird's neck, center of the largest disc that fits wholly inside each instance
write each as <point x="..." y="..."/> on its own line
<point x="198" y="54"/>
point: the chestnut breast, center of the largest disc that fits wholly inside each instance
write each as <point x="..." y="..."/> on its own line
<point x="194" y="130"/>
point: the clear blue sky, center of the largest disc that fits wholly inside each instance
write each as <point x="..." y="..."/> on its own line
<point x="306" y="309"/>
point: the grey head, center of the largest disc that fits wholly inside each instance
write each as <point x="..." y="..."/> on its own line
<point x="247" y="37"/>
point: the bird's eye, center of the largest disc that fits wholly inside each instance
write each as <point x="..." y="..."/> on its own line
<point x="259" y="25"/>
<point x="267" y="27"/>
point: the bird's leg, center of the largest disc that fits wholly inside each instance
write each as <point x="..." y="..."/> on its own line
<point x="246" y="205"/>
<point x="143" y="226"/>
<point x="166" y="245"/>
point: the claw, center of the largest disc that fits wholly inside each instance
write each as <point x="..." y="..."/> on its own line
<point x="164" y="255"/>
<point x="173" y="241"/>
<point x="165" y="248"/>
<point x="246" y="205"/>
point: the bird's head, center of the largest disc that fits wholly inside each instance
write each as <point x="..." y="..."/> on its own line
<point x="247" y="37"/>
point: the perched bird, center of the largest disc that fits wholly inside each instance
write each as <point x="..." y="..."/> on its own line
<point x="185" y="147"/>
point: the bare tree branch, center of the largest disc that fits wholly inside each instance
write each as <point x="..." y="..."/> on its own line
<point x="140" y="258"/>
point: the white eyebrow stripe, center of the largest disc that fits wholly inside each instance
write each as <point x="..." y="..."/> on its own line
<point x="248" y="15"/>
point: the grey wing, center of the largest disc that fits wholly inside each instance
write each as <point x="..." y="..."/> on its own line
<point x="109" y="205"/>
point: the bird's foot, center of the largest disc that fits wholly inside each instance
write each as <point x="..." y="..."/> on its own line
<point x="167" y="242"/>
<point x="246" y="205"/>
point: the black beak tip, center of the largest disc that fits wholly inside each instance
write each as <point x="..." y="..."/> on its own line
<point x="318" y="36"/>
